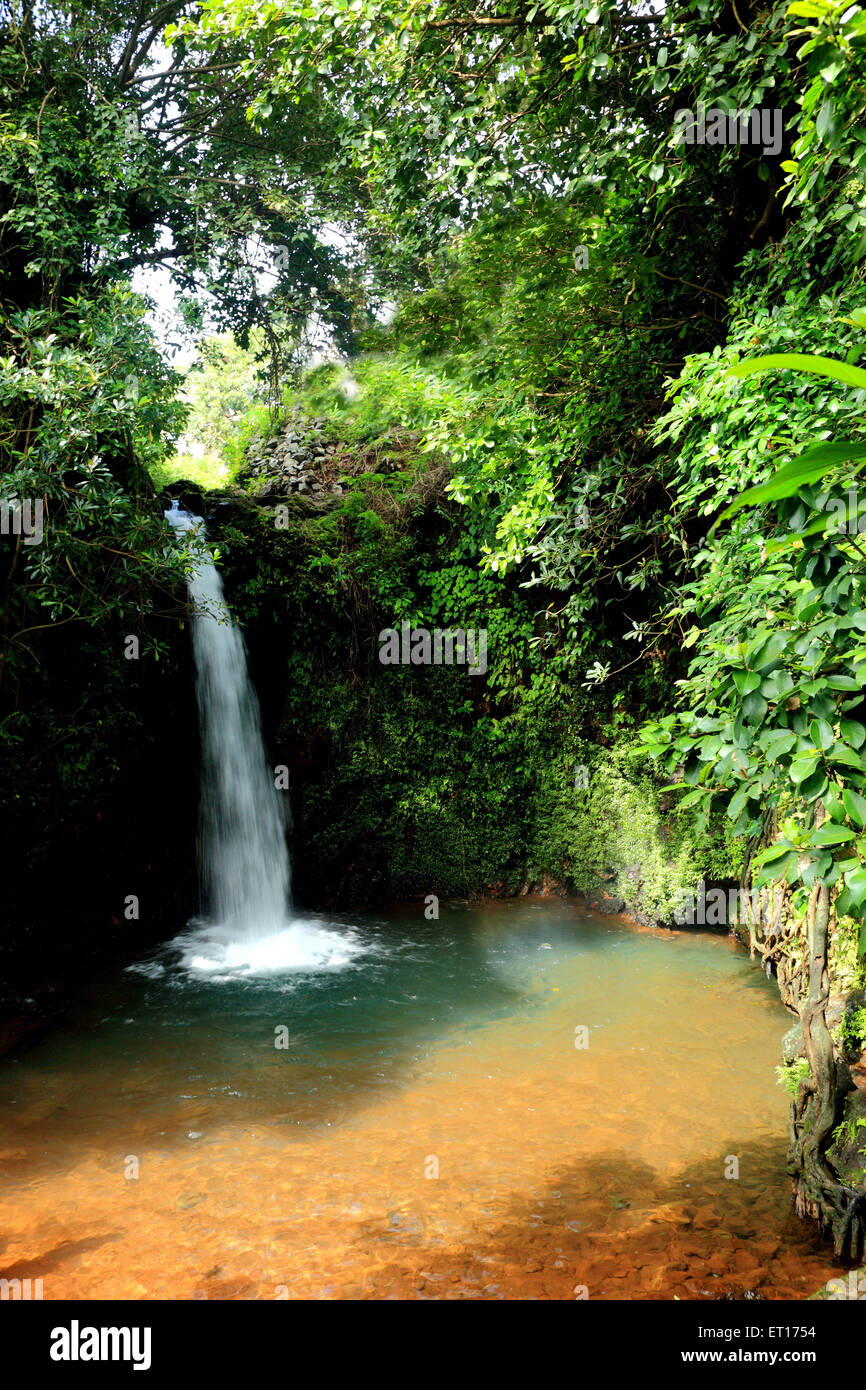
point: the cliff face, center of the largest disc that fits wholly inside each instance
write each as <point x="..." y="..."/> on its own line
<point x="98" y="818"/>
<point x="413" y="778"/>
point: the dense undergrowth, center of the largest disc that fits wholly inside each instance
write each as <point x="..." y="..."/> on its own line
<point x="417" y="780"/>
<point x="543" y="439"/>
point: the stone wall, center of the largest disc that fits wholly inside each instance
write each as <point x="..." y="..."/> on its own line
<point x="296" y="460"/>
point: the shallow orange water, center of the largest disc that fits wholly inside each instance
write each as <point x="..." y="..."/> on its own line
<point x="562" y="1171"/>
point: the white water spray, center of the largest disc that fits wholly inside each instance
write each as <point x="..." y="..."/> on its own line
<point x="245" y="862"/>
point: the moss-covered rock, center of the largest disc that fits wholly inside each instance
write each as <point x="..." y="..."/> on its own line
<point x="410" y="780"/>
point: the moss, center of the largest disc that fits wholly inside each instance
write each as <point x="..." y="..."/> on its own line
<point x="613" y="833"/>
<point x="847" y="967"/>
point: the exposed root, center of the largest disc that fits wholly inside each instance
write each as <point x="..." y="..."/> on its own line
<point x="798" y="949"/>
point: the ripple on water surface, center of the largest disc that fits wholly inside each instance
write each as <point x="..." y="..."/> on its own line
<point x="514" y="1101"/>
<point x="300" y="945"/>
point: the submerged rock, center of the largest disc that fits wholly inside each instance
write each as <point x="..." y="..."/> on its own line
<point x="599" y="901"/>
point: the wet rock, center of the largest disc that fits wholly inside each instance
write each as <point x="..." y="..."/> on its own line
<point x="406" y="1223"/>
<point x="599" y="901"/>
<point x="222" y="511"/>
<point x="793" y="1044"/>
<point x="188" y="495"/>
<point x="766" y="1249"/>
<point x="270" y="488"/>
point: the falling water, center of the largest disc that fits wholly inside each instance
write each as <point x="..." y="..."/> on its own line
<point x="245" y="862"/>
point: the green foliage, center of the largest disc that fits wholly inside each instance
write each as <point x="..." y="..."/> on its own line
<point x="208" y="472"/>
<point x="774" y="701"/>
<point x="373" y="395"/>
<point x="611" y="834"/>
<point x="85" y="402"/>
<point x="852" y="1029"/>
<point x="225" y="394"/>
<point x="391" y="806"/>
<point x="792" y="1074"/>
<point x="847" y="965"/>
<point x="114" y="159"/>
<point x="221" y="386"/>
<point x="848" y="1131"/>
<point x="554" y="318"/>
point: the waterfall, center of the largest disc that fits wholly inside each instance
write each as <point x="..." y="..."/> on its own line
<point x="246" y="874"/>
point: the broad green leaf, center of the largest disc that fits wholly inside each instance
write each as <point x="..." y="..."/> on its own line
<point x="774" y="851"/>
<point x="803" y="767"/>
<point x="840" y="753"/>
<point x="807" y="9"/>
<point x="821" y="734"/>
<point x="692" y="797"/>
<point x="807" y="468"/>
<point x="764" y="652"/>
<point x="746" y="681"/>
<point x="814" y="786"/>
<point x="754" y="707"/>
<point x="779" y="744"/>
<point x="855" y="882"/>
<point x="832" y="834"/>
<point x="802" y="362"/>
<point x="827" y="124"/>
<point x="844" y="904"/>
